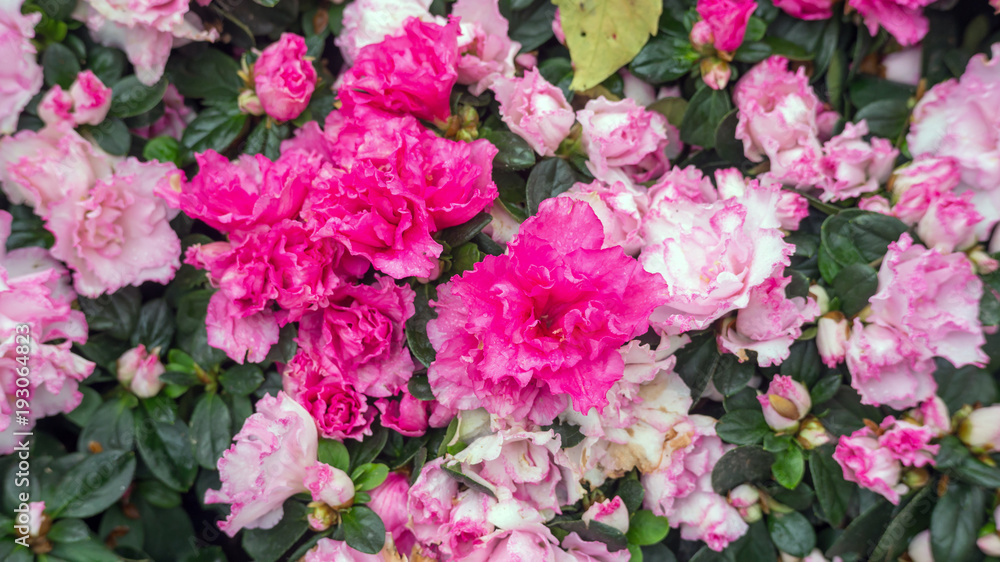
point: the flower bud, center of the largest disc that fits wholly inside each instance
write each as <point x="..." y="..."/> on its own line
<point x="920" y="547"/>
<point x="983" y="262"/>
<point x="989" y="540"/>
<point x="981" y="429"/>
<point x="812" y="434"/>
<point x="715" y="72"/>
<point x="832" y="334"/>
<point x="610" y="512"/>
<point x="786" y="402"/>
<point x="821" y="297"/>
<point x="329" y="485"/>
<point x="701" y="37"/>
<point x="916" y="478"/>
<point x="743" y="495"/>
<point x="932" y="413"/>
<point x="140" y="371"/>
<point x="322" y="516"/>
<point x="250" y="103"/>
<point x="752" y="514"/>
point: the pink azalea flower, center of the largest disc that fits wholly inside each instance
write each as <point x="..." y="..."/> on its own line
<point x="869" y="464"/>
<point x="853" y="166"/>
<point x="367" y="22"/>
<point x="567" y="306"/>
<point x="284" y="79"/>
<point x="807" y="9"/>
<point x="620" y="135"/>
<point x="619" y="206"/>
<point x="728" y="20"/>
<point x="903" y="19"/>
<point x="273" y="457"/>
<point x="887" y="367"/>
<point x="908" y="443"/>
<point x="418" y="83"/>
<point x="534" y="110"/>
<point x="21" y="77"/>
<point x="487" y="51"/>
<point x="244" y="337"/>
<point x="338" y="409"/>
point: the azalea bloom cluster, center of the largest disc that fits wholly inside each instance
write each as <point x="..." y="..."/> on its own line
<point x="461" y="298"/>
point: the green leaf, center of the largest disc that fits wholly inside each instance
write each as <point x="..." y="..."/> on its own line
<point x="968" y="385"/>
<point x="791" y="533"/>
<point x="334" y="453"/>
<point x="754" y="546"/>
<point x="210" y="429"/>
<point x="645" y="528"/>
<point x="742" y="427"/>
<point x="112" y="135"/>
<point x="845" y="412"/>
<point x="457" y="235"/>
<point x="155" y="326"/>
<point x="130" y="97"/>
<point x="420" y="388"/>
<point x="89" y="405"/>
<point x="270" y="545"/>
<point x="671" y="108"/>
<point x="368" y="476"/>
<point x="60" y="65"/>
<point x="165" y="448"/>
<point x="83" y="551"/>
<point x="266" y="139"/>
<point x="465" y="257"/>
<point x="158" y="495"/>
<point x="855" y="284"/>
<point x="416" y="325"/>
<point x="787" y="49"/>
<point x="749" y="463"/>
<point x="855" y="236"/>
<point x="604" y="35"/>
<point x="569" y="434"/>
<point x="164" y="149"/>
<point x="911" y="517"/>
<point x="513" y="152"/>
<point x="215" y="128"/>
<point x="549" y="178"/>
<point x="825" y="388"/>
<point x="955" y="460"/>
<point x="558" y="71"/>
<point x="365" y="451"/>
<point x="752" y="52"/>
<point x="532" y="26"/>
<point x="632" y="493"/>
<point x="363" y="529"/>
<point x="107" y="63"/>
<point x="112" y="426"/>
<point x="68" y="530"/>
<point x="697" y="363"/>
<point x="705" y="111"/>
<point x="192" y="336"/>
<point x="594" y="532"/>
<point x="211" y="75"/>
<point x="666" y="57"/>
<point x="866" y="90"/>
<point x="885" y="118"/>
<point x="128" y="532"/>
<point x="726" y="144"/>
<point x="832" y="491"/>
<point x="956" y="520"/>
<point x="732" y="376"/>
<point x="789" y="467"/>
<point x="93" y="485"/>
<point x="242" y="380"/>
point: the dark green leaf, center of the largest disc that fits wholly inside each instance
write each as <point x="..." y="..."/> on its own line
<point x="791" y="533"/>
<point x="569" y="434"/>
<point x="549" y="178"/>
<point x="856" y="236"/>
<point x="697" y="363"/>
<point x="60" y="65"/>
<point x="866" y="90"/>
<point x="645" y="528"/>
<point x="514" y="153"/>
<point x="595" y="532"/>
<point x="532" y="26"/>
<point x="165" y="447"/>
<point x="68" y="530"/>
<point x="789" y="467"/>
<point x="365" y="451"/>
<point x="155" y="326"/>
<point x="798" y="499"/>
<point x="215" y="128"/>
<point x="241" y="380"/>
<point x="107" y="63"/>
<point x="911" y="517"/>
<point x="705" y="111"/>
<point x="955" y="460"/>
<point x="334" y="453"/>
<point x="127" y="532"/>
<point x="266" y="139"/>
<point x="666" y="56"/>
<point x="112" y="426"/>
<point x="112" y="135"/>
<point x="726" y="144"/>
<point x="825" y="388"/>
<point x="731" y="375"/>
<point x="832" y="491"/>
<point x="742" y="427"/>
<point x="754" y="546"/>
<point x="89" y="404"/>
<point x="632" y="493"/>
<point x="787" y="49"/>
<point x="93" y="485"/>
<point x="457" y="235"/>
<point x="363" y="529"/>
<point x="192" y="336"/>
<point x="671" y="108"/>
<point x="269" y="545"/>
<point x="131" y="97"/>
<point x="558" y="71"/>
<point x="956" y="520"/>
<point x="854" y="285"/>
<point x="416" y="326"/>
<point x="752" y="52"/>
<point x="116" y="313"/>
<point x="749" y="463"/>
<point x="210" y="429"/>
<point x="158" y="495"/>
<point x="420" y="388"/>
<point x="968" y="385"/>
<point x="211" y="75"/>
<point x="83" y="551"/>
<point x="885" y="118"/>
<point x="845" y="412"/>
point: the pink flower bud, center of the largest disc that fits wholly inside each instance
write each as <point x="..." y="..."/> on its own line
<point x="743" y="495"/>
<point x="715" y="72"/>
<point x="981" y="429"/>
<point x="785" y="403"/>
<point x="283" y="78"/>
<point x="812" y="434"/>
<point x="701" y="35"/>
<point x="329" y="485"/>
<point x="920" y="547"/>
<point x="904" y="66"/>
<point x="610" y="512"/>
<point x="250" y="103"/>
<point x="832" y="334"/>
<point x="140" y="371"/>
<point x="990" y="543"/>
<point x="91" y="99"/>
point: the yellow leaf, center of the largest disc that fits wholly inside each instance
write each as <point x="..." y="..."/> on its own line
<point x="604" y="35"/>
